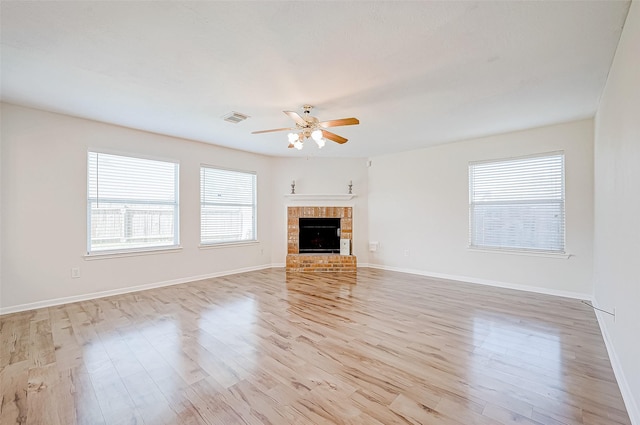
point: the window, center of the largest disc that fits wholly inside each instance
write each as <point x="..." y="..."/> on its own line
<point x="227" y="206"/>
<point x="518" y="203"/>
<point x="132" y="203"/>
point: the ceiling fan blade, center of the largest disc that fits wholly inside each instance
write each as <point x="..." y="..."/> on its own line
<point x="271" y="131"/>
<point x="334" y="137"/>
<point x="337" y="123"/>
<point x="297" y="118"/>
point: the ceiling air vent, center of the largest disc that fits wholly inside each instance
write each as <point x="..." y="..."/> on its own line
<point x="235" y="117"/>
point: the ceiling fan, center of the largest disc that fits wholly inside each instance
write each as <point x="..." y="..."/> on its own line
<point x="308" y="126"/>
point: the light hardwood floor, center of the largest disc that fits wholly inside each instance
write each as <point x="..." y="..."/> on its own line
<point x="268" y="347"/>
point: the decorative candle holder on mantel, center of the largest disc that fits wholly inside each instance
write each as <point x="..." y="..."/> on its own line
<point x="350" y="186"/>
<point x="293" y="187"/>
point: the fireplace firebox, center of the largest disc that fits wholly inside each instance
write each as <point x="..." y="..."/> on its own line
<point x="319" y="235"/>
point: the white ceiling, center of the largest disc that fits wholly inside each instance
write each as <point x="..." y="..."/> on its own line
<point x="415" y="73"/>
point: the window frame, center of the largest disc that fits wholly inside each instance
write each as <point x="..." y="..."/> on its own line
<point x="539" y="251"/>
<point x="150" y="249"/>
<point x="254" y="205"/>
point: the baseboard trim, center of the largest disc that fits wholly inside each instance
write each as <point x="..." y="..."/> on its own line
<point x="623" y="384"/>
<point x="487" y="282"/>
<point x="102" y="294"/>
<point x="119" y="291"/>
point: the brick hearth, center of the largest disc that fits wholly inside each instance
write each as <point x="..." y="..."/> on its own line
<point x="297" y="262"/>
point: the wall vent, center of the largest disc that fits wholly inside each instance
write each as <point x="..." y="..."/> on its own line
<point x="235" y="117"/>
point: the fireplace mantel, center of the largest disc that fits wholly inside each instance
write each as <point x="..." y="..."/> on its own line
<point x="320" y="196"/>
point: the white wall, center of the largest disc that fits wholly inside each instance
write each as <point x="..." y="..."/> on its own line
<point x="1" y="205"/>
<point x="44" y="158"/>
<point x="617" y="211"/>
<point x="319" y="176"/>
<point x="419" y="203"/>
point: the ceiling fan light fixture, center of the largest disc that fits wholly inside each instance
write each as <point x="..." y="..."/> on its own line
<point x="320" y="143"/>
<point x="293" y="137"/>
<point x="297" y="144"/>
<point x="317" y="136"/>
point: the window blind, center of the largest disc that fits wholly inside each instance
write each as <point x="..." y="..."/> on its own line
<point x="227" y="206"/>
<point x="518" y="204"/>
<point x="132" y="203"/>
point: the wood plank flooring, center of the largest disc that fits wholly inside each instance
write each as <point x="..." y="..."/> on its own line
<point x="268" y="347"/>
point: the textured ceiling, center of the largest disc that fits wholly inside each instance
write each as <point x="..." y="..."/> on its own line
<point x="414" y="73"/>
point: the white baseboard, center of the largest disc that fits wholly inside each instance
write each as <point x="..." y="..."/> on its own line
<point x="468" y="279"/>
<point x="623" y="384"/>
<point x="119" y="291"/>
<point x="102" y="294"/>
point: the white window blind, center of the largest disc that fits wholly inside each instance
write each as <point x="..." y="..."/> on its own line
<point x="518" y="204"/>
<point x="132" y="203"/>
<point x="227" y="206"/>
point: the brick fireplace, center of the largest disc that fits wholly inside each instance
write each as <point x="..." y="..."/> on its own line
<point x="297" y="262"/>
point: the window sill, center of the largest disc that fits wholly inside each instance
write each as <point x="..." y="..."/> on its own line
<point x="131" y="253"/>
<point x="560" y="256"/>
<point x="227" y="244"/>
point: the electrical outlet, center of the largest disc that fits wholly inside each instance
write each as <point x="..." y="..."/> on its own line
<point x="75" y="272"/>
<point x="406" y="252"/>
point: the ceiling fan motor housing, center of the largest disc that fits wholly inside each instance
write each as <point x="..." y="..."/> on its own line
<point x="312" y="121"/>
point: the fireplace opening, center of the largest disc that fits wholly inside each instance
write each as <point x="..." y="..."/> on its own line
<point x="319" y="235"/>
